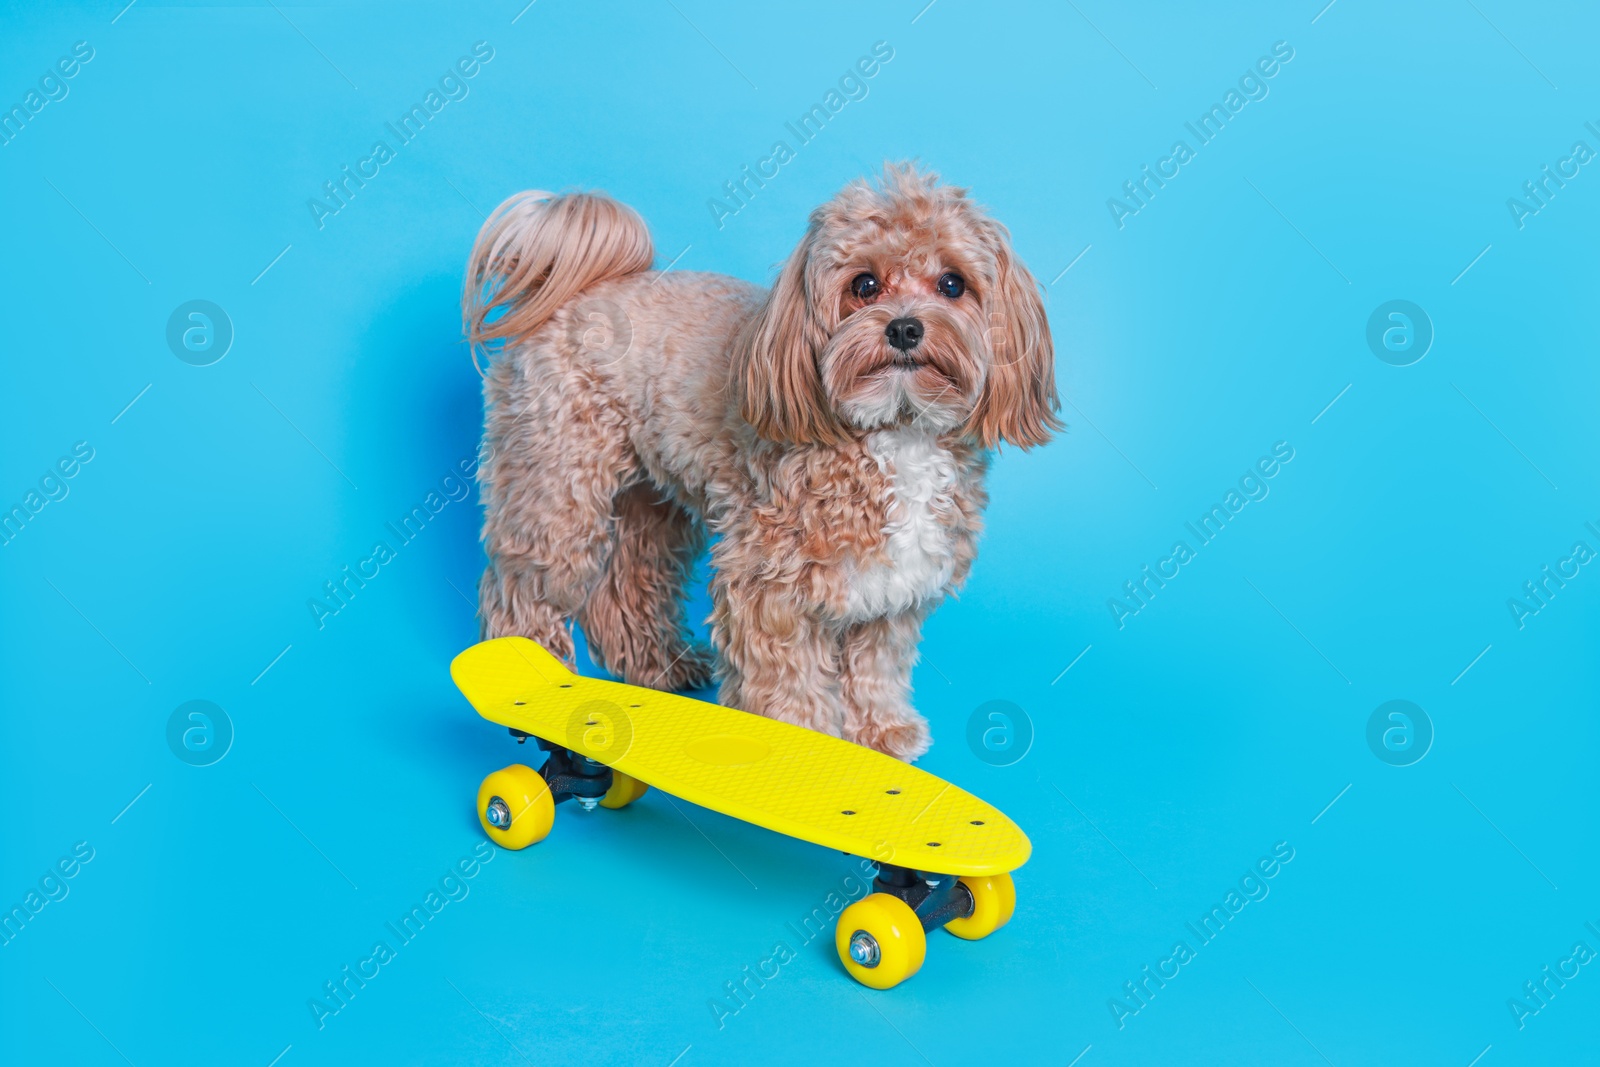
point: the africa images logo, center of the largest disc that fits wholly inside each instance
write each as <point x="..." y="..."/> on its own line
<point x="452" y="86"/>
<point x="1252" y="86"/>
<point x="1137" y="593"/>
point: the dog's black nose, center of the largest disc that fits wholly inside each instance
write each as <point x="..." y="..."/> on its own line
<point x="904" y="334"/>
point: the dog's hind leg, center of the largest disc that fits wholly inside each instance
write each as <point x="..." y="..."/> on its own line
<point x="634" y="617"/>
<point x="548" y="485"/>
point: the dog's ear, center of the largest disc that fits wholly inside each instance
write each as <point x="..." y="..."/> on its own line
<point x="1019" y="402"/>
<point x="775" y="360"/>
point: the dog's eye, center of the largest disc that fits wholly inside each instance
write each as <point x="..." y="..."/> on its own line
<point x="865" y="286"/>
<point x="951" y="285"/>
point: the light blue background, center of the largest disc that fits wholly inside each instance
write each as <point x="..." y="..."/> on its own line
<point x="1220" y="720"/>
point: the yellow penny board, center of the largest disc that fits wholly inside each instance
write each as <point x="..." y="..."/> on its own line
<point x="772" y="774"/>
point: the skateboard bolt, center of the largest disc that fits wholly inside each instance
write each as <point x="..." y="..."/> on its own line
<point x="864" y="949"/>
<point x="499" y="813"/>
<point x="588" y="803"/>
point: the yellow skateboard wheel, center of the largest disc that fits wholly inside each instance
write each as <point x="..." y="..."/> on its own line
<point x="880" y="941"/>
<point x="993" y="900"/>
<point x="623" y="791"/>
<point x="515" y="807"/>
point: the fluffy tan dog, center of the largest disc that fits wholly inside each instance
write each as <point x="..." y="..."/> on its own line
<point x="833" y="434"/>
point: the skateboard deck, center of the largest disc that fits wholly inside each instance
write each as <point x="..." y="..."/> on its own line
<point x="772" y="774"/>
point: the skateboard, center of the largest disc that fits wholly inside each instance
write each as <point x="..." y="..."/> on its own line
<point x="943" y="856"/>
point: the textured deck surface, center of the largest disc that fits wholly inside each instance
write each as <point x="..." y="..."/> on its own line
<point x="785" y="778"/>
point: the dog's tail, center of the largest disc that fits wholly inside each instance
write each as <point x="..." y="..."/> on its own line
<point x="538" y="251"/>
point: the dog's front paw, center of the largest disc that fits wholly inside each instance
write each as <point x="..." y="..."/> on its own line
<point x="904" y="739"/>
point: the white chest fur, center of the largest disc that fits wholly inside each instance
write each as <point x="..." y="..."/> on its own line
<point x="920" y="539"/>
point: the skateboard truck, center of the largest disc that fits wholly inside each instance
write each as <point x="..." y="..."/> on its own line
<point x="569" y="775"/>
<point x="935" y="898"/>
<point x="574" y="777"/>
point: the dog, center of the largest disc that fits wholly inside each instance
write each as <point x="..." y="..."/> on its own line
<point x="832" y="434"/>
